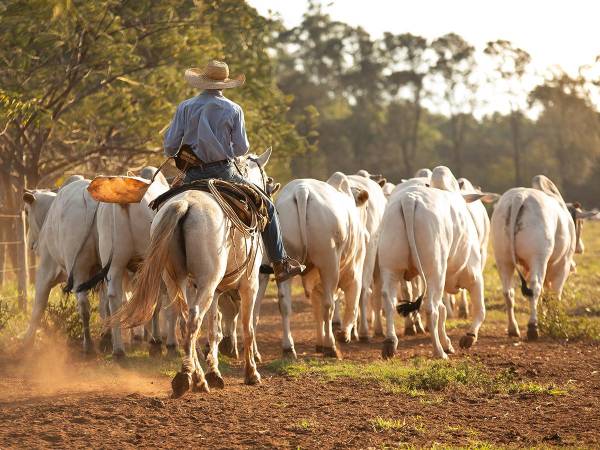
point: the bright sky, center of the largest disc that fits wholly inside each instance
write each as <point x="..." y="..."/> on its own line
<point x="555" y="32"/>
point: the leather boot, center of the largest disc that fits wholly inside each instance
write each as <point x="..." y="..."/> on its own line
<point x="287" y="268"/>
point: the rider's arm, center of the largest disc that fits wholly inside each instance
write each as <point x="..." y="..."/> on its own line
<point x="174" y="134"/>
<point x="239" y="138"/>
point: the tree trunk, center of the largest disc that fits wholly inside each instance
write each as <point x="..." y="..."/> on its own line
<point x="516" y="141"/>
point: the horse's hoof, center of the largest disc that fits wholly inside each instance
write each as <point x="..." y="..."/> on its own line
<point x="227" y="348"/>
<point x="289" y="353"/>
<point x="410" y="331"/>
<point x="337" y="326"/>
<point x="318" y="349"/>
<point x="389" y="349"/>
<point x="364" y="339"/>
<point x="180" y="384"/>
<point x="214" y="380"/>
<point x="155" y="349"/>
<point x="343" y="337"/>
<point x="532" y="332"/>
<point x="332" y="352"/>
<point x="172" y="351"/>
<point x="467" y="340"/>
<point x="119" y="355"/>
<point x="199" y="383"/>
<point x="514" y="333"/>
<point x="105" y="344"/>
<point x="252" y="379"/>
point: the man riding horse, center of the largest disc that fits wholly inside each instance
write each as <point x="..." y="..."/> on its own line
<point x="212" y="127"/>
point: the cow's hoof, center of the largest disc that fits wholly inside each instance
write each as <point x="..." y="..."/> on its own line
<point x="449" y="350"/>
<point x="227" y="348"/>
<point x="199" y="383"/>
<point x="214" y="380"/>
<point x="389" y="349"/>
<point x="155" y="349"/>
<point x="318" y="349"/>
<point x="180" y="384"/>
<point x="172" y="351"/>
<point x="514" y="333"/>
<point x="257" y="358"/>
<point x="105" y="344"/>
<point x="119" y="355"/>
<point x="467" y="340"/>
<point x="332" y="352"/>
<point x="337" y="326"/>
<point x="252" y="379"/>
<point x="364" y="339"/>
<point x="532" y="332"/>
<point x="289" y="353"/>
<point x="343" y="337"/>
<point x="410" y="331"/>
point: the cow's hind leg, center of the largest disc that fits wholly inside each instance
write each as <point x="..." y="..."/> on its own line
<point x="432" y="303"/>
<point x="284" y="296"/>
<point x="390" y="292"/>
<point x="47" y="276"/>
<point x="506" y="271"/>
<point x="476" y="293"/>
<point x="444" y="339"/>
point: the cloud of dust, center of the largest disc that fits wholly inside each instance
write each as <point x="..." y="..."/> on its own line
<point x="54" y="368"/>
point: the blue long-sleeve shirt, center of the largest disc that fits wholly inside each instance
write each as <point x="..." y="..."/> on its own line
<point x="211" y="124"/>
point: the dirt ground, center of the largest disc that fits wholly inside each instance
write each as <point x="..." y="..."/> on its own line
<point x="47" y="405"/>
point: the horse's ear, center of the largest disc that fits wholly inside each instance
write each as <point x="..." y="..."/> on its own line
<point x="28" y="196"/>
<point x="263" y="159"/>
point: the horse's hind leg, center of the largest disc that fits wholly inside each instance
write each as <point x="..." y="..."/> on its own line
<point x="213" y="376"/>
<point x="248" y="292"/>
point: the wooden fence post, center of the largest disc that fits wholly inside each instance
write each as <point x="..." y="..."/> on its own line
<point x="23" y="258"/>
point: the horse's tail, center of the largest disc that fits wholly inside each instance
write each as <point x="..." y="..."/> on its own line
<point x="140" y="308"/>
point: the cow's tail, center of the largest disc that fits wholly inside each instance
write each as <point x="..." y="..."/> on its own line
<point x="140" y="308"/>
<point x="515" y="209"/>
<point x="409" y="206"/>
<point x="301" y="197"/>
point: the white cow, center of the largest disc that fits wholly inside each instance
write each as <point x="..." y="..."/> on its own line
<point x="534" y="229"/>
<point x="322" y="227"/>
<point x="123" y="238"/>
<point x="428" y="231"/>
<point x="62" y="231"/>
<point x="482" y="225"/>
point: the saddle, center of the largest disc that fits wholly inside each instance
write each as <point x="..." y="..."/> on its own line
<point x="244" y="204"/>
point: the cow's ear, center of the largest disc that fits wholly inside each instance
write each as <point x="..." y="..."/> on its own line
<point x="263" y="159"/>
<point x="381" y="182"/>
<point x="361" y="197"/>
<point x="28" y="196"/>
<point x="486" y="197"/>
<point x="461" y="183"/>
<point x="587" y="215"/>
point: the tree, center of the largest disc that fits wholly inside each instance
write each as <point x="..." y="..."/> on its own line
<point x="568" y="127"/>
<point x="455" y="64"/>
<point x="408" y="66"/>
<point x="510" y="68"/>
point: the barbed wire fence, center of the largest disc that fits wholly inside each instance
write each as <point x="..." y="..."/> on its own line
<point x="13" y="240"/>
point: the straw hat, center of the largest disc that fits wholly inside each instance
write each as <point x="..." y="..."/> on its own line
<point x="214" y="76"/>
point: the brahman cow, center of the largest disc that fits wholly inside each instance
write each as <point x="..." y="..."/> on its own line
<point x="428" y="231"/>
<point x="534" y="229"/>
<point x="62" y="231"/>
<point x="322" y="227"/>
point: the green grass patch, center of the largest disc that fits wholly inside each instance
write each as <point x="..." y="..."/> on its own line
<point x="557" y="323"/>
<point x="419" y="377"/>
<point x="305" y="425"/>
<point x="381" y="424"/>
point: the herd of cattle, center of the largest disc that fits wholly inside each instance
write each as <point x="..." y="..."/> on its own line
<point x="363" y="241"/>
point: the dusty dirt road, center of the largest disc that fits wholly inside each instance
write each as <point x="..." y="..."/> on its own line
<point x="47" y="406"/>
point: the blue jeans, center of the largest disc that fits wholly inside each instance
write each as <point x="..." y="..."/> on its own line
<point x="272" y="234"/>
